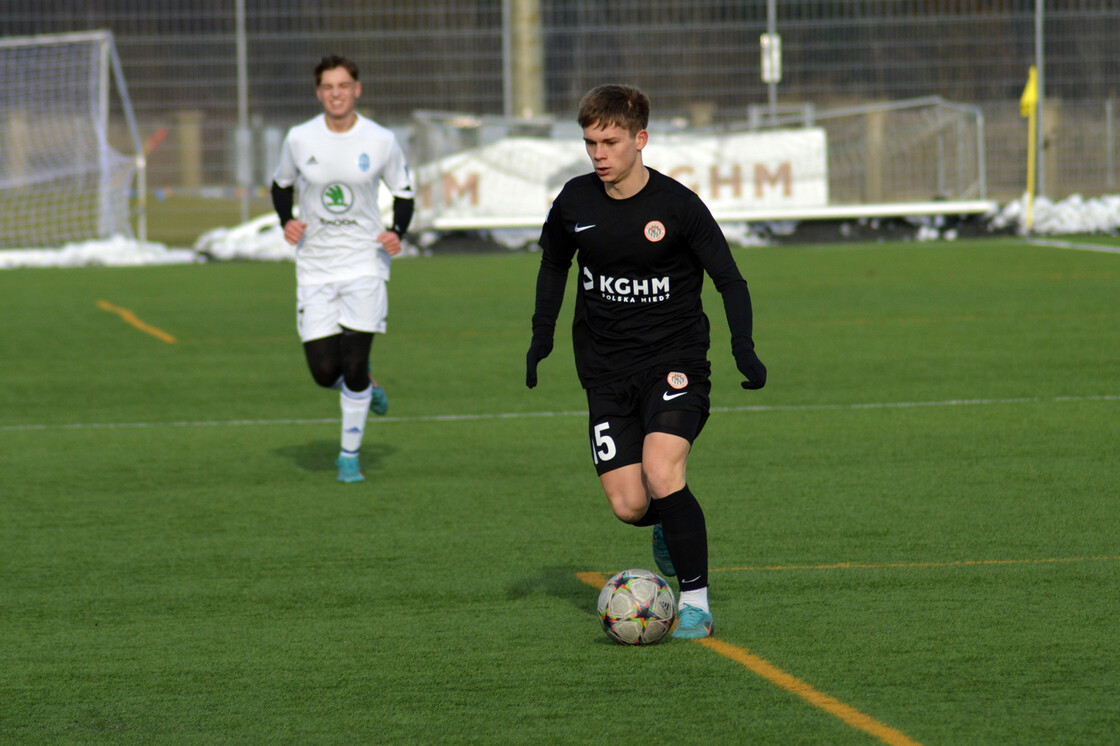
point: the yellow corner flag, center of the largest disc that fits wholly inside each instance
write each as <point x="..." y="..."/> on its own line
<point x="1029" y="99"/>
<point x="1028" y="107"/>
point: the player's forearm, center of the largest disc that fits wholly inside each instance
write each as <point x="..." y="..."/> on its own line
<point x="740" y="315"/>
<point x="403" y="209"/>
<point x="283" y="199"/>
<point x="550" y="296"/>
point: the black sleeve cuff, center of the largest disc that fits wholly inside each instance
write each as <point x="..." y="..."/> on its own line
<point x="402" y="214"/>
<point x="283" y="198"/>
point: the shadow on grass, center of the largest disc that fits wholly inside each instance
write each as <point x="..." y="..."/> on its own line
<point x="319" y="455"/>
<point x="562" y="583"/>
<point x="558" y="582"/>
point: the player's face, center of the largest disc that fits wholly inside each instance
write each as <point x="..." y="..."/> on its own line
<point x="338" y="93"/>
<point x="614" y="152"/>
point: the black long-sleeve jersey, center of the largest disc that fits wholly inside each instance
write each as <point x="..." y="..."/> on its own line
<point x="641" y="263"/>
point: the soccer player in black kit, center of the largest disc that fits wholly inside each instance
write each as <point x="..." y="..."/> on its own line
<point x="643" y="242"/>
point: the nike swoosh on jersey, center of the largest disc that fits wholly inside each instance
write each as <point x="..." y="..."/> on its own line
<point x="581" y="228"/>
<point x="669" y="397"/>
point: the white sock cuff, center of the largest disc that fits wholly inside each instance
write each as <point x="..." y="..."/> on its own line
<point x="697" y="598"/>
<point x="362" y="395"/>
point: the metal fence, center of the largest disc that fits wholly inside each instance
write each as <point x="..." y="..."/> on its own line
<point x="698" y="59"/>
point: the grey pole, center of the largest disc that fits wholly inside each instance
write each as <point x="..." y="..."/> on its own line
<point x="1040" y="144"/>
<point x="771" y="29"/>
<point x="244" y="156"/>
<point x="507" y="59"/>
<point x="527" y="59"/>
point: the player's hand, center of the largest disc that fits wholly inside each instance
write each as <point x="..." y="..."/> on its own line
<point x="293" y="231"/>
<point x="538" y="350"/>
<point x="390" y="241"/>
<point x="752" y="369"/>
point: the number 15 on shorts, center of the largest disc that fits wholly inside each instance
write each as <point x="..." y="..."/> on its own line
<point x="603" y="449"/>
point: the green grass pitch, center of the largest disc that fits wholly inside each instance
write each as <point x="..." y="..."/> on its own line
<point x="917" y="517"/>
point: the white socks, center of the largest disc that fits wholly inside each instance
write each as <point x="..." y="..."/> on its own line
<point x="697" y="598"/>
<point x="355" y="411"/>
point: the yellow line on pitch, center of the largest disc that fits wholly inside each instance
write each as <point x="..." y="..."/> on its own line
<point x="593" y="579"/>
<point x="794" y="685"/>
<point x="846" y="713"/>
<point x="131" y="319"/>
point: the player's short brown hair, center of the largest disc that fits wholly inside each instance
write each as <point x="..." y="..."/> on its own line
<point x="622" y="105"/>
<point x="330" y="62"/>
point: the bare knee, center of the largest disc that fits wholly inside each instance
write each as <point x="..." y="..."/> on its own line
<point x="626" y="493"/>
<point x="627" y="512"/>
<point x="664" y="481"/>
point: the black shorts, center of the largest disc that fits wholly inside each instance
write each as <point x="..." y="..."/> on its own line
<point x="674" y="400"/>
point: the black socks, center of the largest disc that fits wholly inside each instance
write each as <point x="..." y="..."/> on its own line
<point x="652" y="516"/>
<point x="686" y="536"/>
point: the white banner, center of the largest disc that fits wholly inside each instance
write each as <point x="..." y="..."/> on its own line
<point x="511" y="183"/>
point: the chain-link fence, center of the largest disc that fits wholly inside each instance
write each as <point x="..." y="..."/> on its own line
<point x="698" y="59"/>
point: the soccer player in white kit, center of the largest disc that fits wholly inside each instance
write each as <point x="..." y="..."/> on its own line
<point x="338" y="161"/>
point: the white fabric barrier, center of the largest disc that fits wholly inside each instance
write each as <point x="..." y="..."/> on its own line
<point x="510" y="183"/>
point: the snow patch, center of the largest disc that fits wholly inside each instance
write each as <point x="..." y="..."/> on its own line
<point x="262" y="239"/>
<point x="118" y="251"/>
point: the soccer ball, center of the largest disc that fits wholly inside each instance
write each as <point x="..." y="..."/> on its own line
<point x="636" y="607"/>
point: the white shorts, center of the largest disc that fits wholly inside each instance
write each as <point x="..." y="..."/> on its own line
<point x="360" y="304"/>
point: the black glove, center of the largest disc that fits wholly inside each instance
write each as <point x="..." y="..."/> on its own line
<point x="752" y="369"/>
<point x="539" y="349"/>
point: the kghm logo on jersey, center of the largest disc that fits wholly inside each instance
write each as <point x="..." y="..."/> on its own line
<point x="338" y="198"/>
<point x="655" y="231"/>
<point x="626" y="289"/>
<point x="363" y="162"/>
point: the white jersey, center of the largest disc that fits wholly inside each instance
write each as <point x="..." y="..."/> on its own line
<point x="339" y="175"/>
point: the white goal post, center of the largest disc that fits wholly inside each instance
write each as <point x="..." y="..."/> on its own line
<point x="61" y="180"/>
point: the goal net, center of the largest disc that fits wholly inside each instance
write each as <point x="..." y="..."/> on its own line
<point x="60" y="178"/>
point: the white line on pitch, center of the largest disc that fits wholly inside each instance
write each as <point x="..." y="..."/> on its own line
<point x="1073" y="245"/>
<point x="580" y="413"/>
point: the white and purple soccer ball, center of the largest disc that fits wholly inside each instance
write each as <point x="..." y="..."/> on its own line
<point x="637" y="607"/>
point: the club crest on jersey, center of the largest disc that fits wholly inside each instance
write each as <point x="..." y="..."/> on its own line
<point x="363" y="162"/>
<point x="337" y="198"/>
<point x="655" y="231"/>
<point x="677" y="380"/>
